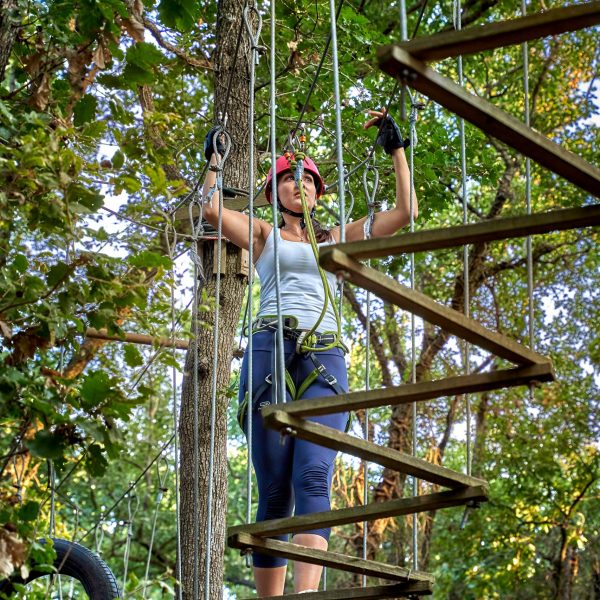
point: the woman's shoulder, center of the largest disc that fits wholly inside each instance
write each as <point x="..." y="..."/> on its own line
<point x="334" y="235"/>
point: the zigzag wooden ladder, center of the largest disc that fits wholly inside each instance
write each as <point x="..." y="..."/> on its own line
<point x="529" y="365"/>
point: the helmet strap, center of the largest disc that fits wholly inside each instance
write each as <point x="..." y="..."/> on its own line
<point x="293" y="213"/>
<point x="287" y="211"/>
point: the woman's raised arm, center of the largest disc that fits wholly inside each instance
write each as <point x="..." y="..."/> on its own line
<point x="234" y="224"/>
<point x="388" y="222"/>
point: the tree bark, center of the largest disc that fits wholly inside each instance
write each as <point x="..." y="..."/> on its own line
<point x="233" y="285"/>
<point x="8" y="31"/>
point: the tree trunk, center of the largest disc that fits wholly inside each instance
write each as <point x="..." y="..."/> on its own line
<point x="8" y="31"/>
<point x="233" y="286"/>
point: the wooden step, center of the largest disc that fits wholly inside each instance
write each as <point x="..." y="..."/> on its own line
<point x="332" y="560"/>
<point x="490" y="119"/>
<point x="417" y="392"/>
<point x="381" y="455"/>
<point x="450" y="320"/>
<point x="472" y="233"/>
<point x="504" y="33"/>
<point x="369" y="512"/>
<point x="394" y="590"/>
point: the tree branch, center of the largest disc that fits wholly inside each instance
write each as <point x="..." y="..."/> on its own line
<point x="199" y="63"/>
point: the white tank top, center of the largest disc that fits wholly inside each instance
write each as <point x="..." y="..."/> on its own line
<point x="302" y="293"/>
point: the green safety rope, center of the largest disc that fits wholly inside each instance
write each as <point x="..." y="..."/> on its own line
<point x="307" y="342"/>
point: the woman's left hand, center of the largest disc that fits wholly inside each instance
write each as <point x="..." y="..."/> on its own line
<point x="389" y="136"/>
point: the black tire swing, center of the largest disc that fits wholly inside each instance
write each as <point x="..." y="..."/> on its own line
<point x="76" y="561"/>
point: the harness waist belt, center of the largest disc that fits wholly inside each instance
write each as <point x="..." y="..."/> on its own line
<point x="289" y="330"/>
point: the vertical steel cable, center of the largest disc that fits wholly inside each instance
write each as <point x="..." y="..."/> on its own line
<point x="130" y="517"/>
<point x="159" y="496"/>
<point x="279" y="379"/>
<point x="338" y="142"/>
<point x="525" y="49"/>
<point x="254" y="58"/>
<point x="338" y="121"/>
<point x="413" y="347"/>
<point x="52" y="523"/>
<point x="213" y="402"/>
<point x="198" y="271"/>
<point x="413" y="116"/>
<point x="171" y="246"/>
<point x="370" y="194"/>
<point x="466" y="279"/>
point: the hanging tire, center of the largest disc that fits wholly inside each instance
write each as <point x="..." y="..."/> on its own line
<point x="76" y="561"/>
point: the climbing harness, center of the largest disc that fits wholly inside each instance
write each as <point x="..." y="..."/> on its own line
<point x="290" y="332"/>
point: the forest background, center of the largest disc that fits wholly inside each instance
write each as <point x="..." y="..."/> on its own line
<point x="105" y="103"/>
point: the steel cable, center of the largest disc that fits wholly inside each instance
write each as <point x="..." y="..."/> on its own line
<point x="528" y="239"/>
<point x="254" y="57"/>
<point x="466" y="267"/>
<point x="279" y="379"/>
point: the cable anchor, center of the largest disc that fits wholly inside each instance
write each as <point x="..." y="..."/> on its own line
<point x="257" y="49"/>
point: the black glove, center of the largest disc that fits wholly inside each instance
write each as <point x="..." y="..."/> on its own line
<point x="389" y="136"/>
<point x="209" y="149"/>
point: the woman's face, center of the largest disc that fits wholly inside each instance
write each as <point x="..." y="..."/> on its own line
<point x="289" y="194"/>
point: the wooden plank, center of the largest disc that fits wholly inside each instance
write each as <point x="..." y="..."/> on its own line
<point x="421" y="305"/>
<point x="485" y="231"/>
<point x="393" y="590"/>
<point x="417" y="392"/>
<point x="489" y="118"/>
<point x="368" y="512"/>
<point x="381" y="455"/>
<point x="331" y="560"/>
<point x="504" y="33"/>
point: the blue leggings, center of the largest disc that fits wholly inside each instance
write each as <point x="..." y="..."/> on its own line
<point x="290" y="471"/>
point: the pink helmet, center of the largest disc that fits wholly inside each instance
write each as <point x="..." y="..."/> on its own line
<point x="283" y="164"/>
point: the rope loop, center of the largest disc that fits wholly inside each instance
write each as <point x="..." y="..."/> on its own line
<point x="99" y="538"/>
<point x="226" y="141"/>
<point x="19" y="476"/>
<point x="370" y="195"/>
<point x="254" y="37"/>
<point x="170" y="234"/>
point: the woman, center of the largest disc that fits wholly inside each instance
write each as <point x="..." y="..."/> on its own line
<point x="293" y="472"/>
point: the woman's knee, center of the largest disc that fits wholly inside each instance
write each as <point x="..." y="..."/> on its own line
<point x="275" y="502"/>
<point x="311" y="482"/>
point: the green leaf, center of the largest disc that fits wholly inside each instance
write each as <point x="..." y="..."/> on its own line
<point x="29" y="511"/>
<point x="56" y="273"/>
<point x="150" y="259"/>
<point x="133" y="357"/>
<point x="142" y="58"/>
<point x="87" y="199"/>
<point x="135" y="75"/>
<point x="84" y="110"/>
<point x="21" y="263"/>
<point x="95" y="463"/>
<point x="95" y="389"/>
<point x="46" y="445"/>
<point x="118" y="159"/>
<point x="179" y="14"/>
